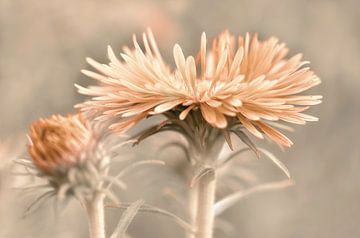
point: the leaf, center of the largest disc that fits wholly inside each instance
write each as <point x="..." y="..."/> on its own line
<point x="155" y="210"/>
<point x="62" y="191"/>
<point x="231" y="156"/>
<point x="37" y="201"/>
<point x="110" y="195"/>
<point x="135" y="165"/>
<point x="149" y="132"/>
<point x="201" y="173"/>
<point x="117" y="146"/>
<point x="232" y="199"/>
<point x="276" y="161"/>
<point x="114" y="181"/>
<point x="228" y="138"/>
<point x="244" y="138"/>
<point x="179" y="145"/>
<point x="126" y="218"/>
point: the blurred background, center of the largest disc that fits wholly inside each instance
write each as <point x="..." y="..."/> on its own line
<point x="43" y="45"/>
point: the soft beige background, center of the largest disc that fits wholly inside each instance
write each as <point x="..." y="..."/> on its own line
<point x="43" y="45"/>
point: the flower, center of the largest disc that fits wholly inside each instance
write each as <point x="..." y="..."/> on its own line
<point x="69" y="153"/>
<point x="59" y="142"/>
<point x="243" y="80"/>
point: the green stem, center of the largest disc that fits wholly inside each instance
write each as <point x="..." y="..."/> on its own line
<point x="205" y="206"/>
<point x="193" y="205"/>
<point x="96" y="219"/>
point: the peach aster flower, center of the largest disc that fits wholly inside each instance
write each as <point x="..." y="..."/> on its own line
<point x="242" y="80"/>
<point x="59" y="142"/>
<point x="74" y="156"/>
<point x="71" y="154"/>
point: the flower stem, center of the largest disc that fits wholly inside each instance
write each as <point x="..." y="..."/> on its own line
<point x="95" y="213"/>
<point x="193" y="204"/>
<point x="205" y="203"/>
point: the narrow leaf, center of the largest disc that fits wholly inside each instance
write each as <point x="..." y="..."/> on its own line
<point x="126" y="219"/>
<point x="148" y="132"/>
<point x="276" y="161"/>
<point x="232" y="199"/>
<point x="179" y="145"/>
<point x="136" y="164"/>
<point x="37" y="201"/>
<point x="227" y="137"/>
<point x="201" y="173"/>
<point x="231" y="156"/>
<point x="145" y="208"/>
<point x="244" y="138"/>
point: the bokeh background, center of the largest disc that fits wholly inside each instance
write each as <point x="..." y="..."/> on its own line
<point x="43" y="45"/>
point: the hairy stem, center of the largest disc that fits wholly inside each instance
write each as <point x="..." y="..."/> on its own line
<point x="193" y="204"/>
<point x="96" y="219"/>
<point x="205" y="206"/>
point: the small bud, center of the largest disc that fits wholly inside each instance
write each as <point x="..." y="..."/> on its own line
<point x="67" y="151"/>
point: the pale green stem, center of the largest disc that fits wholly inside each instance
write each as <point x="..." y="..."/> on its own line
<point x="205" y="206"/>
<point x="96" y="219"/>
<point x="193" y="205"/>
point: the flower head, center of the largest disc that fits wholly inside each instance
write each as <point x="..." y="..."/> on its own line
<point x="239" y="80"/>
<point x="59" y="142"/>
<point x="68" y="152"/>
